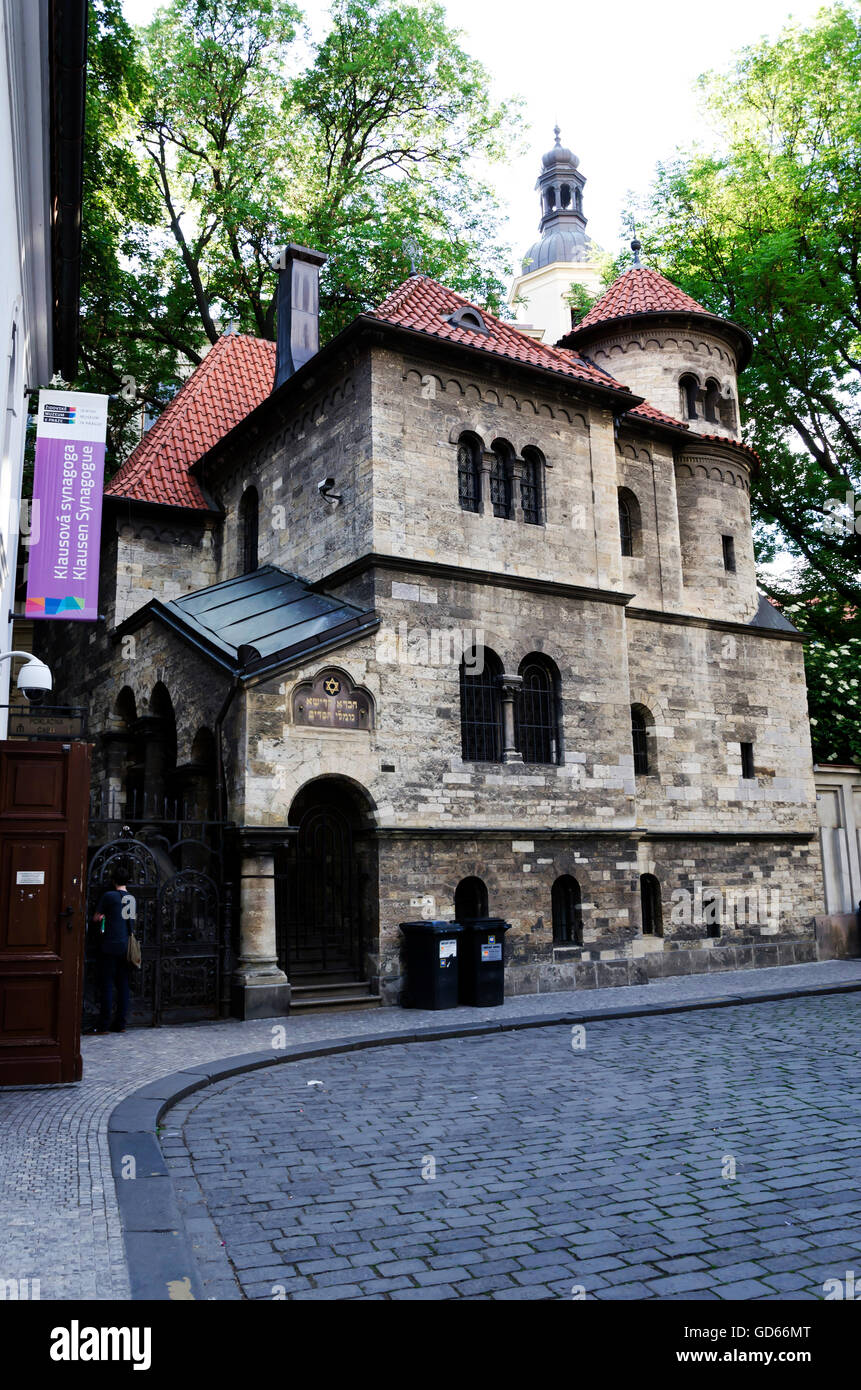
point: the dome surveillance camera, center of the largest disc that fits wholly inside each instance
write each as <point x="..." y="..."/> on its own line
<point x="35" y="681"/>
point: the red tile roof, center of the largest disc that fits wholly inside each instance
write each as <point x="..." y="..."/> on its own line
<point x="235" y="376"/>
<point x="651" y="412"/>
<point x="640" y="290"/>
<point x="423" y="305"/>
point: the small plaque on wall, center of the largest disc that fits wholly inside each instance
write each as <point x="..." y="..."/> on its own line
<point x="332" y="701"/>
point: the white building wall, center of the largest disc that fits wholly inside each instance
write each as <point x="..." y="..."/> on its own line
<point x="25" y="268"/>
<point x="838" y="802"/>
<point x="539" y="297"/>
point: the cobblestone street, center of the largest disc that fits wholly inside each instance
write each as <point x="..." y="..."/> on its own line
<point x="514" y="1166"/>
<point x="59" y="1218"/>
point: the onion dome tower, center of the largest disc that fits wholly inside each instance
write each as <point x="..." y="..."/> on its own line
<point x="562" y="256"/>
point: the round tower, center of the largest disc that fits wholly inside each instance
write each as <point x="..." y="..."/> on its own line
<point x="661" y="343"/>
<point x="562" y="256"/>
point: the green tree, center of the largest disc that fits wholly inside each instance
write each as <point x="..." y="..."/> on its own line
<point x="220" y="133"/>
<point x="768" y="232"/>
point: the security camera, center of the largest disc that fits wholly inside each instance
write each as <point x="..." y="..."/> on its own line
<point x="324" y="487"/>
<point x="35" y="681"/>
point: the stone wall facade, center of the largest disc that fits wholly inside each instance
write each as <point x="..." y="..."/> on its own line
<point x="667" y="629"/>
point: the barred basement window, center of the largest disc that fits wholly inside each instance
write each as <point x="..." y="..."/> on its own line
<point x="469" y="473"/>
<point x="501" y="493"/>
<point x="566" y="905"/>
<point x="640" y="739"/>
<point x="536" y="711"/>
<point x="470" y="900"/>
<point x="532" y="487"/>
<point x="650" y="905"/>
<point x="481" y="708"/>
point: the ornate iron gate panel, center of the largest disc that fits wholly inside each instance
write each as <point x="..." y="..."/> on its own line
<point x="183" y="921"/>
<point x="319" y="920"/>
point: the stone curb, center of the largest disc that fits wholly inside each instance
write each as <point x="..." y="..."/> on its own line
<point x="159" y="1254"/>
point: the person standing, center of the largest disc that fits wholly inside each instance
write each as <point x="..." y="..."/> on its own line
<point x="116" y="913"/>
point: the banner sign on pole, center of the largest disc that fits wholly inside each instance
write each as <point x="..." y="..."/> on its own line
<point x="63" y="573"/>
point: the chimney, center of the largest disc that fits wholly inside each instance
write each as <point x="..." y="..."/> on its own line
<point x="298" y="309"/>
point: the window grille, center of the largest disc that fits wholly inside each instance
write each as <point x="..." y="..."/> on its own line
<point x="567" y="911"/>
<point x="640" y="739"/>
<point x="481" y="712"/>
<point x="468" y="476"/>
<point x="536" y="722"/>
<point x="531" y="488"/>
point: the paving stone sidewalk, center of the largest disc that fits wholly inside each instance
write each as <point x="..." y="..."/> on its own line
<point x="59" y="1220"/>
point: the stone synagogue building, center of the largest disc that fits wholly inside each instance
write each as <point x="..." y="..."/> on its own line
<point x="443" y="619"/>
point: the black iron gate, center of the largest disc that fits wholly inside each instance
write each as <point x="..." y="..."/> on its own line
<point x="183" y="923"/>
<point x="319" y="919"/>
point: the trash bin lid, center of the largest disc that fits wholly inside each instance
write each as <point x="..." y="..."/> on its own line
<point x="433" y="927"/>
<point x="495" y="924"/>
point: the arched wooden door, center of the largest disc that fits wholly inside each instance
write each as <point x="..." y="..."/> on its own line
<point x="322" y="933"/>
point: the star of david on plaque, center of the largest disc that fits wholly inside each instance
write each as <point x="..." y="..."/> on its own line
<point x="332" y="686"/>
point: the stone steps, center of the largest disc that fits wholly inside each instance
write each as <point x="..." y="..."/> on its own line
<point x="333" y="996"/>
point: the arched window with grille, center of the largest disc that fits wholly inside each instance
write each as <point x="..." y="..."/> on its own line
<point x="650" y="905"/>
<point x="249" y="509"/>
<point x="641" y="737"/>
<point x="469" y="473"/>
<point x="536" y="711"/>
<point x="470" y="900"/>
<point x="532" y="487"/>
<point x="501" y="491"/>
<point x="630" y="523"/>
<point x="566" y="904"/>
<point x="480" y="707"/>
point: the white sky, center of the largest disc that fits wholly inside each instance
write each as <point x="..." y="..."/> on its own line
<point x="618" y="75"/>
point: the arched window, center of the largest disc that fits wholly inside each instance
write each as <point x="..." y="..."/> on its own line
<point x="532" y="487"/>
<point x="650" y="905"/>
<point x="501" y="492"/>
<point x="567" y="909"/>
<point x="469" y="473"/>
<point x="470" y="900"/>
<point x="578" y="200"/>
<point x="641" y="727"/>
<point x="536" y="711"/>
<point x="480" y="707"/>
<point x="712" y="402"/>
<point x="690" y="390"/>
<point x="249" y="522"/>
<point x="630" y="524"/>
<point x="565" y="195"/>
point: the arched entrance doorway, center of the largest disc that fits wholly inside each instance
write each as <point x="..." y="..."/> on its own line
<point x="327" y="909"/>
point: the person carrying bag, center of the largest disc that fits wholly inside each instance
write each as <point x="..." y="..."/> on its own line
<point x="119" y="952"/>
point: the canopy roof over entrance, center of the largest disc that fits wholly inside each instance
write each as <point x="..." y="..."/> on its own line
<point x="260" y="620"/>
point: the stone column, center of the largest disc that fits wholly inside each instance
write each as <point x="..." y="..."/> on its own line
<point x="516" y="496"/>
<point x="154" y="733"/>
<point x="488" y="459"/>
<point x="260" y="987"/>
<point x="509" y="686"/>
<point x="116" y="745"/>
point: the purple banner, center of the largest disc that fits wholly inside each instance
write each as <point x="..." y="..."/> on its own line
<point x="66" y="522"/>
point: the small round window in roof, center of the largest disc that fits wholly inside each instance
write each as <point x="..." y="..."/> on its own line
<point x="469" y="318"/>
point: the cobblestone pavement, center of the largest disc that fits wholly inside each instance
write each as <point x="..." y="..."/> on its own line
<point x="59" y="1220"/>
<point x="516" y="1166"/>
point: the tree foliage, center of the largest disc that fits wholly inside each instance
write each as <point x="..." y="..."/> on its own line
<point x="768" y="232"/>
<point x="220" y="132"/>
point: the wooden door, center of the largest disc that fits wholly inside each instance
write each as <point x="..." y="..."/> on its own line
<point x="44" y="795"/>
